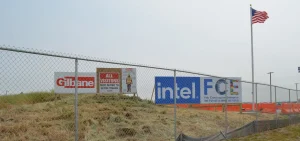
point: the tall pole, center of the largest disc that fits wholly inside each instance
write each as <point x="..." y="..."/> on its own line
<point x="297" y="91"/>
<point x="270" y="86"/>
<point x="76" y="100"/>
<point x="175" y="96"/>
<point x="252" y="58"/>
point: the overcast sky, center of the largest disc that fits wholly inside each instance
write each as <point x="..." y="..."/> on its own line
<point x="211" y="37"/>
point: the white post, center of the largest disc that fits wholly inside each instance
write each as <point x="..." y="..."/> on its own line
<point x="271" y="86"/>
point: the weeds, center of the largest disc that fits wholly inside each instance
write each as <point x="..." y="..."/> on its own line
<point x="146" y="129"/>
<point x="101" y="117"/>
<point x="163" y="112"/>
<point x="30" y="98"/>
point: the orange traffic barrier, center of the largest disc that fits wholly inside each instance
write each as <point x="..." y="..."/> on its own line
<point x="286" y="108"/>
<point x="182" y="105"/>
<point x="267" y="107"/>
<point x="247" y="107"/>
<point x="235" y="108"/>
<point x="295" y="108"/>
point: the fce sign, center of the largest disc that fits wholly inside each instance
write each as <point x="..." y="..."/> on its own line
<point x="193" y="90"/>
<point x="188" y="90"/>
<point x="213" y="90"/>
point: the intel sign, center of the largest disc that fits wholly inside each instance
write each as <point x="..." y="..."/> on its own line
<point x="188" y="90"/>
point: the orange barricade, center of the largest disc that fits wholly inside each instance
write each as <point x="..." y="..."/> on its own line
<point x="247" y="107"/>
<point x="216" y="107"/>
<point x="210" y="107"/>
<point x="182" y="105"/>
<point x="235" y="108"/>
<point x="295" y="108"/>
<point x="286" y="108"/>
<point x="267" y="107"/>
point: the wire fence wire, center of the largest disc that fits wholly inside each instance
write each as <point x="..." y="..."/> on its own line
<point x="32" y="109"/>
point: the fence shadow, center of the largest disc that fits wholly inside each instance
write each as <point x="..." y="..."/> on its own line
<point x="246" y="130"/>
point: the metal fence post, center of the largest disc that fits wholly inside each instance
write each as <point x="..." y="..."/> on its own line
<point x="275" y="95"/>
<point x="226" y="119"/>
<point x="256" y="115"/>
<point x="76" y="100"/>
<point x="290" y="105"/>
<point x="276" y="114"/>
<point x="297" y="92"/>
<point x="175" y="96"/>
<point x="256" y="102"/>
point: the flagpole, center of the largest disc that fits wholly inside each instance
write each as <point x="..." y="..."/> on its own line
<point x="252" y="58"/>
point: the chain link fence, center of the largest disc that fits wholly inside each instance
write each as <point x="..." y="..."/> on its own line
<point x="40" y="99"/>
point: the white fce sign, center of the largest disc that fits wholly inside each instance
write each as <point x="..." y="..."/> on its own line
<point x="213" y="90"/>
<point x="64" y="82"/>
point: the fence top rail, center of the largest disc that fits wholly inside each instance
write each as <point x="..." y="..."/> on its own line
<point x="83" y="58"/>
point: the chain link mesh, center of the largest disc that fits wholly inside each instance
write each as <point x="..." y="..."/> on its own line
<point x="32" y="109"/>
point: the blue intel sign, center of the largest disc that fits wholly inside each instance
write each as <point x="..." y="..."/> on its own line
<point x="188" y="90"/>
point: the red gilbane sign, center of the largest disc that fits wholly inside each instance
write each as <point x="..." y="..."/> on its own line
<point x="69" y="82"/>
<point x="65" y="82"/>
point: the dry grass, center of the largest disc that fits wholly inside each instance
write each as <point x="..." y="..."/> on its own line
<point x="111" y="117"/>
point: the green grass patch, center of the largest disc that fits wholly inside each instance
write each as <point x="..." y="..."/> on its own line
<point x="26" y="98"/>
<point x="290" y="133"/>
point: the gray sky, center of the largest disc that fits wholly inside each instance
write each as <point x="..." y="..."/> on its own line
<point x="211" y="37"/>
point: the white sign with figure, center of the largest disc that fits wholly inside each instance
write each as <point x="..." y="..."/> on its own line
<point x="129" y="80"/>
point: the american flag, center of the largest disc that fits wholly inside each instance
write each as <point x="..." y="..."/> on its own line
<point x="259" y="16"/>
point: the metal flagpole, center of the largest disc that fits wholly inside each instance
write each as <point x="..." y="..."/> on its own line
<point x="252" y="58"/>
